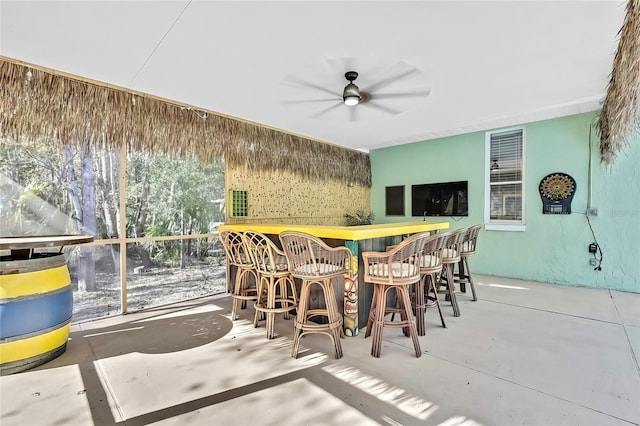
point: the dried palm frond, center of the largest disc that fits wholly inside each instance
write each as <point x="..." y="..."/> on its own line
<point x="43" y="104"/>
<point x="619" y="119"/>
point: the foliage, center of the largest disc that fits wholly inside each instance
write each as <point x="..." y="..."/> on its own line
<point x="165" y="196"/>
<point x="360" y="218"/>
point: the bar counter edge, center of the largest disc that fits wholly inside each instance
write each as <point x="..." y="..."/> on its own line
<point x="353" y="233"/>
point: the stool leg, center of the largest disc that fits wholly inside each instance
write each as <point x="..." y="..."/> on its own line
<point x="404" y="290"/>
<point x="444" y="281"/>
<point x="378" y="323"/>
<point x="372" y="311"/>
<point x="294" y="292"/>
<point x="237" y="290"/>
<point x="399" y="290"/>
<point x="283" y="285"/>
<point x="462" y="276"/>
<point x="452" y="291"/>
<point x="254" y="274"/>
<point x="432" y="286"/>
<point x="244" y="286"/>
<point x="259" y="303"/>
<point x="335" y="310"/>
<point x="470" y="277"/>
<point x="332" y="316"/>
<point x="301" y="317"/>
<point x="271" y="304"/>
<point x="420" y="305"/>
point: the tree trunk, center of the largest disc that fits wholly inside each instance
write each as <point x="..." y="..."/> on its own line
<point x="142" y="211"/>
<point x="108" y="172"/>
<point x="183" y="255"/>
<point x="190" y="241"/>
<point x="86" y="263"/>
<point x="74" y="191"/>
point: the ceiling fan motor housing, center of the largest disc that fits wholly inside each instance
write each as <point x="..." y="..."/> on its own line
<point x="351" y="94"/>
<point x="351" y="75"/>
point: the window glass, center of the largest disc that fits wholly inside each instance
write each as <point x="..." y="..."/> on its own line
<point x="95" y="277"/>
<point x="505" y="177"/>
<point x="173" y="196"/>
<point x="506" y="202"/>
<point x="46" y="189"/>
<point x="163" y="272"/>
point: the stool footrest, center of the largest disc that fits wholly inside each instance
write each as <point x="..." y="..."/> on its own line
<point x="290" y="306"/>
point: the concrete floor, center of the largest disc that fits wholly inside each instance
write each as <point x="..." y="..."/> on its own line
<point x="525" y="353"/>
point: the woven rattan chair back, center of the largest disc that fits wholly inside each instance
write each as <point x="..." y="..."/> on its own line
<point x="398" y="266"/>
<point x="266" y="256"/>
<point x="468" y="245"/>
<point x="451" y="246"/>
<point x="235" y="249"/>
<point x="308" y="256"/>
<point x="431" y="261"/>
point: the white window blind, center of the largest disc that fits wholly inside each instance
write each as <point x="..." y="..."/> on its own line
<point x="505" y="177"/>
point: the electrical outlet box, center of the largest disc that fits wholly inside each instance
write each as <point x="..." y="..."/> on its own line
<point x="593" y="261"/>
<point x="593" y="248"/>
<point x="592" y="212"/>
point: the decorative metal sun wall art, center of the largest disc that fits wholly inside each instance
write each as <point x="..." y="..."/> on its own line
<point x="556" y="191"/>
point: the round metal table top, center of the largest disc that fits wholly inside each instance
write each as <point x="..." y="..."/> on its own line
<point x="17" y="243"/>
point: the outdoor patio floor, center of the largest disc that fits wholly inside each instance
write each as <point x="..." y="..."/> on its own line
<point x="525" y="353"/>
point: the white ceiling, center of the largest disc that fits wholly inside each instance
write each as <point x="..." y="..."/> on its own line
<point x="484" y="64"/>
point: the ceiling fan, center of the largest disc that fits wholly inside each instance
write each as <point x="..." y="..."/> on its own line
<point x="374" y="96"/>
<point x="351" y="93"/>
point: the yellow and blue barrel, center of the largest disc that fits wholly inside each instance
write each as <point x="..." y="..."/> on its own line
<point x="36" y="304"/>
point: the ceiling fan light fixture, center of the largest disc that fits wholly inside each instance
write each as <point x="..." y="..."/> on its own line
<point x="351" y="101"/>
<point x="351" y="93"/>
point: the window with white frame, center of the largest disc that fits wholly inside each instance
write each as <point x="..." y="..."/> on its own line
<point x="504" y="200"/>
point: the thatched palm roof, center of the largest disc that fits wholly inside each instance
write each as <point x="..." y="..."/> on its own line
<point x="38" y="103"/>
<point x="619" y="119"/>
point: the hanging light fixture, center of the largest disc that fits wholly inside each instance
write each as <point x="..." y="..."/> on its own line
<point x="351" y="93"/>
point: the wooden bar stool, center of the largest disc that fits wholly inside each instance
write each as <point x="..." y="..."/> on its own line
<point x="450" y="257"/>
<point x="430" y="269"/>
<point x="397" y="270"/>
<point x="244" y="288"/>
<point x="316" y="264"/>
<point x="467" y="248"/>
<point x="276" y="288"/>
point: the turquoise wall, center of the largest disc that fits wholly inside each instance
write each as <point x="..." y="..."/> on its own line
<point x="554" y="247"/>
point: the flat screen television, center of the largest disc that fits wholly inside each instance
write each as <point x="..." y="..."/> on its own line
<point x="440" y="199"/>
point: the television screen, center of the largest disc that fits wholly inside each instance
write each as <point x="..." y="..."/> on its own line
<point x="440" y="199"/>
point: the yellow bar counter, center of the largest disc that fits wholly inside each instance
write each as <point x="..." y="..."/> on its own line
<point x="353" y="299"/>
<point x="353" y="233"/>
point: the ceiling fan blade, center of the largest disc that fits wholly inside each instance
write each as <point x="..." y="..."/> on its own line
<point x="388" y="80"/>
<point x="416" y="94"/>
<point x="381" y="108"/>
<point x="310" y="101"/>
<point x="325" y="110"/>
<point x="298" y="82"/>
<point x="353" y="113"/>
